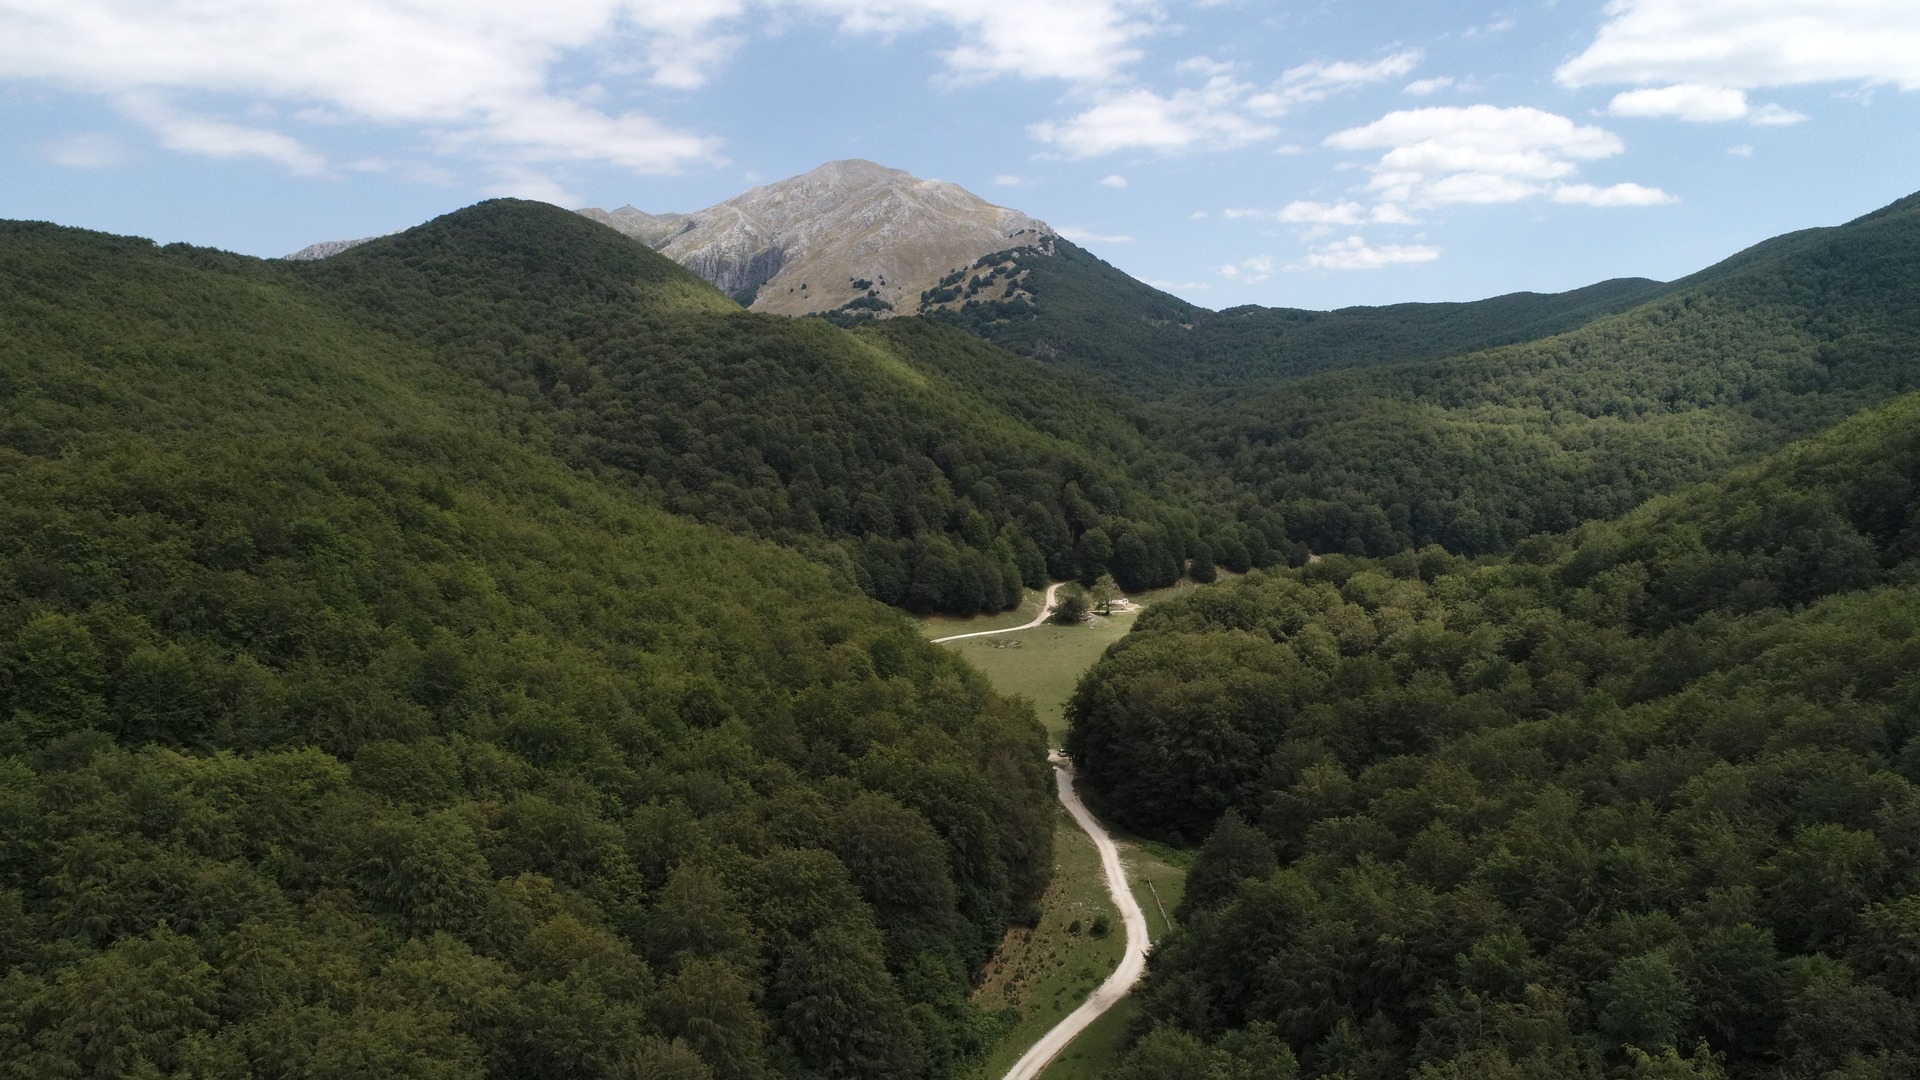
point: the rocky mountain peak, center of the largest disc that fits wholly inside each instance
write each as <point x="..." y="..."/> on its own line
<point x="847" y="233"/>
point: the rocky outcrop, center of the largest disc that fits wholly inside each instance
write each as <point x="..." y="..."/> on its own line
<point x="327" y="247"/>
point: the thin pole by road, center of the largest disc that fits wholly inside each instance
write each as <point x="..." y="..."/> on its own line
<point x="1132" y="964"/>
<point x="1046" y="609"/>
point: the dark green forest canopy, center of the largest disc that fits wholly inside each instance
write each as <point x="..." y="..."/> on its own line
<point x="1640" y="800"/>
<point x="347" y="731"/>
<point x="936" y="472"/>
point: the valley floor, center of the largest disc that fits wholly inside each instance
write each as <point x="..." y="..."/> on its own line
<point x="1046" y="971"/>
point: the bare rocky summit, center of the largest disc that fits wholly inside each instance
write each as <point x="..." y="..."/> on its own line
<point x="849" y="235"/>
<point x="326" y="248"/>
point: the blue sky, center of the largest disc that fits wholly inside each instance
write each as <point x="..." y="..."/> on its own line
<point x="1233" y="152"/>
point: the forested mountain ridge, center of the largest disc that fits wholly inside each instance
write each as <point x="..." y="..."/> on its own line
<point x="347" y="731"/>
<point x="898" y="456"/>
<point x="1070" y="308"/>
<point x="1642" y="800"/>
<point x="1477" y="452"/>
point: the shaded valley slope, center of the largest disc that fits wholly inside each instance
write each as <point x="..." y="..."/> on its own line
<point x="347" y="729"/>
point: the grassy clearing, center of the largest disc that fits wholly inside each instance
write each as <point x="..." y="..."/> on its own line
<point x="1044" y="664"/>
<point x="1046" y="972"/>
<point x="1157" y="874"/>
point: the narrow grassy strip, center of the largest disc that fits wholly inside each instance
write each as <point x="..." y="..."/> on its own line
<point x="1098" y="1047"/>
<point x="1043" y="973"/>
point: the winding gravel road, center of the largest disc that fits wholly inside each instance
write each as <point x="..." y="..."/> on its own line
<point x="1132" y="963"/>
<point x="1046" y="609"/>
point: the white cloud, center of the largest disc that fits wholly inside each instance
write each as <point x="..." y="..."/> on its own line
<point x="1197" y="215"/>
<point x="1316" y="81"/>
<point x="1205" y="65"/>
<point x="1248" y="271"/>
<point x="1114" y="181"/>
<point x="473" y="74"/>
<point x="1319" y="216"/>
<point x="86" y="150"/>
<point x="1741" y="150"/>
<point x="1188" y="119"/>
<point x="1684" y="101"/>
<point x="1700" y="103"/>
<point x="1748" y="44"/>
<point x="1087" y="236"/>
<point x="1773" y="115"/>
<point x="1354" y="253"/>
<point x="524" y="183"/>
<point x="219" y="139"/>
<point x="489" y="79"/>
<point x="1615" y="195"/>
<point x="1423" y="87"/>
<point x="1313" y="213"/>
<point x="1476" y="154"/>
<point x="1222" y="114"/>
<point x="1498" y="26"/>
<point x="1010" y="180"/>
<point x="1076" y="40"/>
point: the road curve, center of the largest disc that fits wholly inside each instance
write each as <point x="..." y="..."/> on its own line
<point x="1046" y="609"/>
<point x="1132" y="963"/>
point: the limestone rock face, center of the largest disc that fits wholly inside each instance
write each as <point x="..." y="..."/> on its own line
<point x="847" y="232"/>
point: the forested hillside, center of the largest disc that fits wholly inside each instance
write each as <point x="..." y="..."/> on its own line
<point x="1473" y="426"/>
<point x="346" y="731"/>
<point x="1478" y="452"/>
<point x="1073" y="310"/>
<point x="1641" y="800"/>
<point x="902" y="457"/>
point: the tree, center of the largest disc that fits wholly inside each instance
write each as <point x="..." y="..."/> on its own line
<point x="1645" y="1002"/>
<point x="698" y="918"/>
<point x="1202" y="568"/>
<point x="1133" y="563"/>
<point x="52" y="677"/>
<point x="708" y="1004"/>
<point x="131" y="1010"/>
<point x="841" y="1012"/>
<point x="1234" y="852"/>
<point x="658" y="1059"/>
<point x="1071" y="607"/>
<point x="1103" y="592"/>
<point x="1093" y="553"/>
<point x="900" y="866"/>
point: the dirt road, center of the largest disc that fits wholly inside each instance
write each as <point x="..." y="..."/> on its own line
<point x="1132" y="963"/>
<point x="1046" y="609"/>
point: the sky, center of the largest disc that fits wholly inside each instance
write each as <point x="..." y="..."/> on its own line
<point x="1230" y="151"/>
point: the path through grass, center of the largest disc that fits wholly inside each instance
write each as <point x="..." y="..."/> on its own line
<point x="1045" y="972"/>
